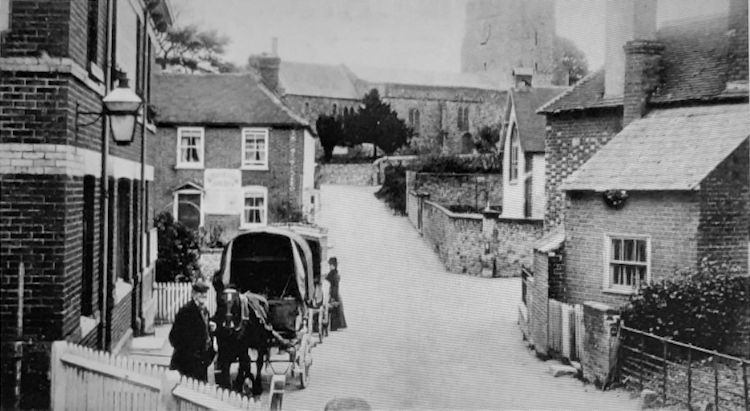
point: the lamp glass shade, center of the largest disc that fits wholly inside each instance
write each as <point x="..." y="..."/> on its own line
<point x="122" y="100"/>
<point x="123" y="127"/>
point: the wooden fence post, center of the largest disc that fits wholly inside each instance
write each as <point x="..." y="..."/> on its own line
<point x="169" y="381"/>
<point x="57" y="375"/>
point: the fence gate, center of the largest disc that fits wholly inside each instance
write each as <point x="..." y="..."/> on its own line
<point x="566" y="331"/>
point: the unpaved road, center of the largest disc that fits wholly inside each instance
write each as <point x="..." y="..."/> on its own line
<point x="420" y="337"/>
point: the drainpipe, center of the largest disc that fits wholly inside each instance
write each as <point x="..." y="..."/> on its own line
<point x="104" y="284"/>
<point x="140" y="321"/>
<point x="18" y="345"/>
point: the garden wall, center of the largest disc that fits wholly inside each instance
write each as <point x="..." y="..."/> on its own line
<point x="363" y="174"/>
<point x="451" y="189"/>
<point x="456" y="238"/>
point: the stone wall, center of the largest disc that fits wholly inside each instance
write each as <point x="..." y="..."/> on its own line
<point x="458" y="189"/>
<point x="456" y="238"/>
<point x="512" y="244"/>
<point x="348" y="174"/>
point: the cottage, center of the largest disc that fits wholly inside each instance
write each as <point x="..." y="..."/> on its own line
<point x="647" y="161"/>
<point x="77" y="243"/>
<point x="230" y="153"/>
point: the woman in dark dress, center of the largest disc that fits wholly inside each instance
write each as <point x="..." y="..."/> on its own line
<point x="337" y="319"/>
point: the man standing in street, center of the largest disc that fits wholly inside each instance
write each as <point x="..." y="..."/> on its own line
<point x="191" y="336"/>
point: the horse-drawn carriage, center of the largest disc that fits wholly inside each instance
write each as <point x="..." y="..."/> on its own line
<point x="268" y="290"/>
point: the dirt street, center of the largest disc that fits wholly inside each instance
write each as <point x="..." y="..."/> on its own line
<point x="420" y="337"/>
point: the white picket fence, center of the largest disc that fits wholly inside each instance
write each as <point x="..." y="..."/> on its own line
<point x="85" y="379"/>
<point x="566" y="331"/>
<point x="171" y="296"/>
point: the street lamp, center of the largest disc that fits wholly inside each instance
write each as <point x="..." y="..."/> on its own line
<point x="121" y="106"/>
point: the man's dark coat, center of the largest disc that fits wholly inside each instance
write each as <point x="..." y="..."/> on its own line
<point x="190" y="337"/>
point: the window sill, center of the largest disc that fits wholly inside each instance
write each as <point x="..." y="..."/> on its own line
<point x="254" y="167"/>
<point x="619" y="292"/>
<point x="121" y="290"/>
<point x="188" y="167"/>
<point x="87" y="324"/>
<point x="96" y="72"/>
<point x="249" y="226"/>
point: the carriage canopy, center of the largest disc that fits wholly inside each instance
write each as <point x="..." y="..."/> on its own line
<point x="275" y="262"/>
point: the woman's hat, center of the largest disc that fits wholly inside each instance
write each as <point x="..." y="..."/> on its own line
<point x="333" y="260"/>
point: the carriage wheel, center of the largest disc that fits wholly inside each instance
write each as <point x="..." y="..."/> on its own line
<point x="304" y="361"/>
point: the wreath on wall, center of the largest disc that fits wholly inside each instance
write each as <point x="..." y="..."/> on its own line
<point x="615" y="198"/>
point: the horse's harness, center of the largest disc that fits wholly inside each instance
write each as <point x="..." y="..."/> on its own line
<point x="247" y="302"/>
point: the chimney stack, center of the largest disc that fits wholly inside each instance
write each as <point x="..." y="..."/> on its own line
<point x="642" y="76"/>
<point x="267" y="65"/>
<point x="626" y="20"/>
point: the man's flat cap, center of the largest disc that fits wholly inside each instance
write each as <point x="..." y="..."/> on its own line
<point x="200" y="286"/>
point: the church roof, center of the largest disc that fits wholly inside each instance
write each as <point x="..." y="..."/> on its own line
<point x="318" y="80"/>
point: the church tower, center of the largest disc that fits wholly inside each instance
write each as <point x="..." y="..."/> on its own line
<point x="506" y="35"/>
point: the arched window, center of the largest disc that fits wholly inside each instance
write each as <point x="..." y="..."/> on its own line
<point x="465" y="121"/>
<point x="467" y="144"/>
<point x="335" y="108"/>
<point x="307" y="107"/>
<point x="460" y="118"/>
<point x="515" y="149"/>
<point x="414" y="120"/>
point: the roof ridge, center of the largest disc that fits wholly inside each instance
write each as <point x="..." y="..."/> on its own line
<point x="689" y="21"/>
<point x="585" y="79"/>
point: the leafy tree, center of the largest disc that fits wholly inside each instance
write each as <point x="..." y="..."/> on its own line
<point x="189" y="46"/>
<point x="376" y="123"/>
<point x="486" y="140"/>
<point x="178" y="250"/>
<point x="570" y="61"/>
<point x="331" y="134"/>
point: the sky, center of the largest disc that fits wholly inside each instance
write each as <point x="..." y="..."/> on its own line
<point x="403" y="34"/>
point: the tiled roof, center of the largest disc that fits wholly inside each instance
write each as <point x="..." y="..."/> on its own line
<point x="319" y="80"/>
<point x="531" y="126"/>
<point x="670" y="149"/>
<point x="218" y="99"/>
<point x="694" y="61"/>
<point x="424" y="78"/>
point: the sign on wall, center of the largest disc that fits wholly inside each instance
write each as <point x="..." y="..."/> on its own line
<point x="222" y="187"/>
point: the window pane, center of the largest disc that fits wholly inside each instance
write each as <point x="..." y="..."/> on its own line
<point x="641" y="250"/>
<point x="616" y="249"/>
<point x="189" y="210"/>
<point x="642" y="274"/>
<point x="629" y="254"/>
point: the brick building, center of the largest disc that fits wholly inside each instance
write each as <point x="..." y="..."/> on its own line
<point x="229" y="153"/>
<point x="664" y="127"/>
<point x="59" y="59"/>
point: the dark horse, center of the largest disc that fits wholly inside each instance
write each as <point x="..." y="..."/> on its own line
<point x="241" y="325"/>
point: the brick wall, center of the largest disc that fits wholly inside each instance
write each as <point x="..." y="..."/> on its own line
<point x="600" y="346"/>
<point x="724" y="226"/>
<point x="223" y="149"/>
<point x="571" y="140"/>
<point x="538" y="309"/>
<point x="513" y="244"/>
<point x="36" y="26"/>
<point x="670" y="219"/>
<point x="34" y="107"/>
<point x="642" y="68"/>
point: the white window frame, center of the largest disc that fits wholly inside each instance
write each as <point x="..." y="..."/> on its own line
<point x="607" y="279"/>
<point x="201" y="148"/>
<point x="256" y="191"/>
<point x="255" y="132"/>
<point x="175" y="203"/>
<point x="4" y="15"/>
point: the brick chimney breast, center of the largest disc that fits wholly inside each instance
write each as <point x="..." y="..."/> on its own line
<point x="268" y="68"/>
<point x="642" y="76"/>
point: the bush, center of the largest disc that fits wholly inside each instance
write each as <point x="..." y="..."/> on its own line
<point x="393" y="190"/>
<point x="697" y="309"/>
<point x="487" y="163"/>
<point x="178" y="250"/>
<point x="211" y="236"/>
